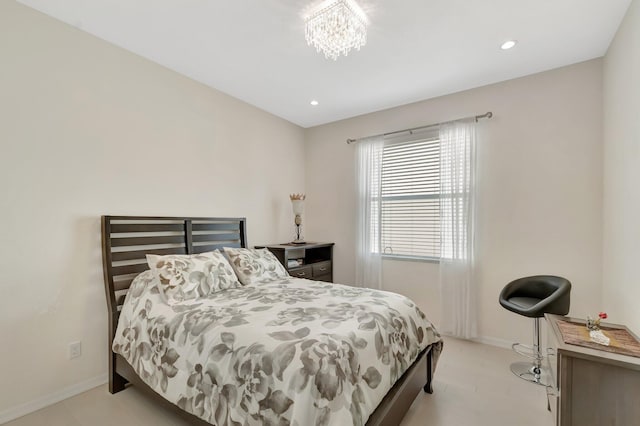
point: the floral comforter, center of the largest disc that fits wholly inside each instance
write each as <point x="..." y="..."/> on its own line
<point x="288" y="352"/>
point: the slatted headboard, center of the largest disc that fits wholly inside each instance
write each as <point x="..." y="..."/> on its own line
<point x="126" y="240"/>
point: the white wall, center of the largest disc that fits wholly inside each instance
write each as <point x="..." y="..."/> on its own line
<point x="621" y="283"/>
<point x="540" y="190"/>
<point x="88" y="129"/>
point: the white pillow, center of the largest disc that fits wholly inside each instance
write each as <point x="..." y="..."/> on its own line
<point x="255" y="265"/>
<point x="188" y="277"/>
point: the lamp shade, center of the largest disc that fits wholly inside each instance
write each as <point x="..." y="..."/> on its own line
<point x="298" y="207"/>
<point x="297" y="203"/>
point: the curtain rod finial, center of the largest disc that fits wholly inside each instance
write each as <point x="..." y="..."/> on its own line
<point x="488" y="114"/>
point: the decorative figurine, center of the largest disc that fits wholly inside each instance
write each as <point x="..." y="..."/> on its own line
<point x="594" y="324"/>
<point x="595" y="334"/>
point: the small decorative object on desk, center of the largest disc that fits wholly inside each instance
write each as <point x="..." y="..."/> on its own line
<point x="596" y="335"/>
<point x="594" y="324"/>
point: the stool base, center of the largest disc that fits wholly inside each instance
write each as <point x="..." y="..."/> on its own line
<point x="531" y="373"/>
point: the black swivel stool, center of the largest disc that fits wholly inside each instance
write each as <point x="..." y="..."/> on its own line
<point x="533" y="297"/>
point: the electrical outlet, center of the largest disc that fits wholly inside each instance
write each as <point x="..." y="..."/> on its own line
<point x="75" y="349"/>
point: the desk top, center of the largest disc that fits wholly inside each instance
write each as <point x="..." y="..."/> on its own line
<point x="592" y="352"/>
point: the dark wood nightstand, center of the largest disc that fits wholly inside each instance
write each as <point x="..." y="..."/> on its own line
<point x="313" y="261"/>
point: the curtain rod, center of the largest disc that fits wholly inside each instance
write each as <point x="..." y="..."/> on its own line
<point x="476" y="117"/>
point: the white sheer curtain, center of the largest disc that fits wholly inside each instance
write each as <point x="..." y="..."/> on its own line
<point x="368" y="171"/>
<point x="457" y="213"/>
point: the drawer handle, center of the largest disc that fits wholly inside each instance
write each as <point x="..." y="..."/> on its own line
<point x="322" y="268"/>
<point x="301" y="274"/>
<point x="551" y="352"/>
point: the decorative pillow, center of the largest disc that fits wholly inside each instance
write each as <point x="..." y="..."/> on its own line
<point x="187" y="277"/>
<point x="255" y="265"/>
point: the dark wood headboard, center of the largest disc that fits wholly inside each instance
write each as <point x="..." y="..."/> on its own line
<point x="126" y="240"/>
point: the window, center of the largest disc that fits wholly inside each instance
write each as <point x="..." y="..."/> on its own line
<point x="416" y="199"/>
<point x="410" y="198"/>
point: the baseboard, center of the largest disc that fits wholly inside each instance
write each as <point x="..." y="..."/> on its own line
<point x="52" y="398"/>
<point x="493" y="341"/>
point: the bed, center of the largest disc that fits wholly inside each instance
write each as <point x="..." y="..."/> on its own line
<point x="284" y="312"/>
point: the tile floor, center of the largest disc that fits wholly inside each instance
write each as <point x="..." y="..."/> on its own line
<point x="473" y="387"/>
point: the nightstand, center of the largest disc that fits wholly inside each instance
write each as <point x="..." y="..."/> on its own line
<point x="313" y="261"/>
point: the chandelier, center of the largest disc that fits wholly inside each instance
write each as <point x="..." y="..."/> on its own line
<point x="335" y="27"/>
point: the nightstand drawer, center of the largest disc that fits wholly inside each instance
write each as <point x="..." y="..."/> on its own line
<point x="302" y="272"/>
<point x="326" y="278"/>
<point x="321" y="268"/>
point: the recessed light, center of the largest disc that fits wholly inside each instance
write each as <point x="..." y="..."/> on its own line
<point x="314" y="102"/>
<point x="508" y="44"/>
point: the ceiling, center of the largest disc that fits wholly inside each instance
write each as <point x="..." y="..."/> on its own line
<point x="255" y="50"/>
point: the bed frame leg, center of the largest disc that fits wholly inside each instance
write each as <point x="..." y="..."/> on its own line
<point x="428" y="388"/>
<point x="116" y="382"/>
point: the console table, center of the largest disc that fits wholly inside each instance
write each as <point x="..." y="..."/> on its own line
<point x="591" y="386"/>
<point x="315" y="259"/>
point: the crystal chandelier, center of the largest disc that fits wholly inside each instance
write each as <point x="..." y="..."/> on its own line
<point x="335" y="27"/>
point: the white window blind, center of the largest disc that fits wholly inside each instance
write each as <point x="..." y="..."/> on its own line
<point x="410" y="199"/>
